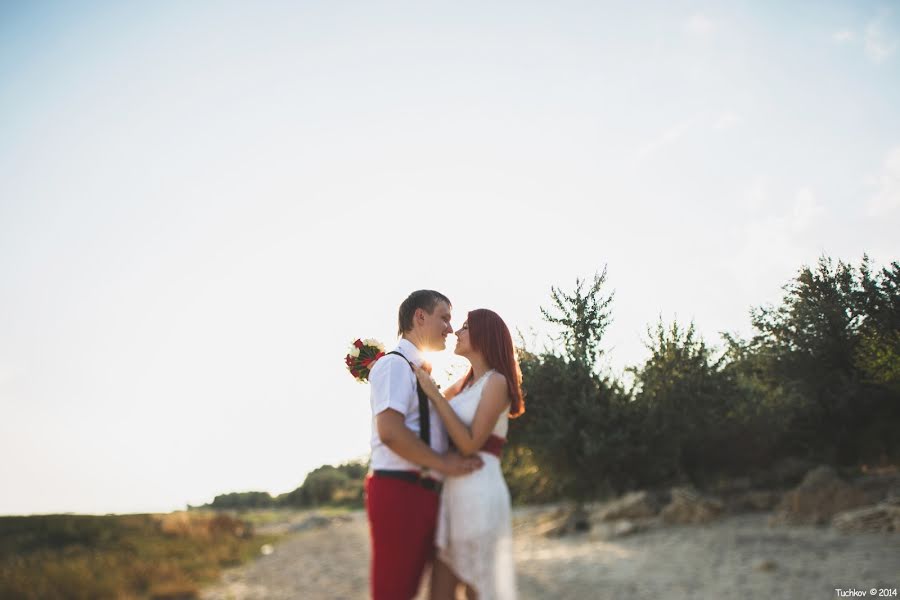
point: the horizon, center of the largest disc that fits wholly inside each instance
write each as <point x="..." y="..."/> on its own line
<point x="202" y="206"/>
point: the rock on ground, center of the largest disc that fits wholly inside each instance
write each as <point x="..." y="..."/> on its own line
<point x="883" y="517"/>
<point x="689" y="506"/>
<point x="820" y="496"/>
<point x="634" y="505"/>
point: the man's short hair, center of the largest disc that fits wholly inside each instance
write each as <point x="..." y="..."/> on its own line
<point x="427" y="300"/>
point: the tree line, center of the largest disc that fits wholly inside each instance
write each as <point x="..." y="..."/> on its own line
<point x="819" y="380"/>
<point x="327" y="485"/>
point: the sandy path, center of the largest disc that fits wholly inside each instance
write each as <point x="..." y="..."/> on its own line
<point x="721" y="559"/>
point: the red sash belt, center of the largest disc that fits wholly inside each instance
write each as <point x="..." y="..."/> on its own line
<point x="494" y="445"/>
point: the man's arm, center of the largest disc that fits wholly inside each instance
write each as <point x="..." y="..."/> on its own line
<point x="405" y="443"/>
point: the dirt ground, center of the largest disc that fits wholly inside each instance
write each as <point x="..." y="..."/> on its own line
<point x="738" y="556"/>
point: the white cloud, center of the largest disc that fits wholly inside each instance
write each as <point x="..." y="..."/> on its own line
<point x="699" y="24"/>
<point x="755" y="196"/>
<point x="666" y="138"/>
<point x="877" y="41"/>
<point x="727" y="120"/>
<point x="8" y="374"/>
<point x="773" y="244"/>
<point x="887" y="196"/>
<point x="879" y="45"/>
<point x="805" y="210"/>
<point x="843" y="36"/>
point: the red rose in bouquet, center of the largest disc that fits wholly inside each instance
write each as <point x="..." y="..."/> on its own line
<point x="360" y="357"/>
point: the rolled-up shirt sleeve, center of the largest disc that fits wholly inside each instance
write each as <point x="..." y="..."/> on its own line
<point x="391" y="386"/>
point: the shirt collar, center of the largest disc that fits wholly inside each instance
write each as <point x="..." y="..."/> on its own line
<point x="409" y="350"/>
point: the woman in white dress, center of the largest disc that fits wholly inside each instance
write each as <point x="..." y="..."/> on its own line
<point x="474" y="530"/>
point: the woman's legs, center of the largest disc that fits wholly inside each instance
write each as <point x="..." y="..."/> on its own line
<point x="445" y="585"/>
<point x="443" y="581"/>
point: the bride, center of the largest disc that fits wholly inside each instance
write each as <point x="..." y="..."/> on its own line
<point x="474" y="530"/>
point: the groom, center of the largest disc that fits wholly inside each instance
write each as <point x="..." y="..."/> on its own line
<point x="409" y="452"/>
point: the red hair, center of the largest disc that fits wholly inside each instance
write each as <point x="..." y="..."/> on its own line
<point x="489" y="335"/>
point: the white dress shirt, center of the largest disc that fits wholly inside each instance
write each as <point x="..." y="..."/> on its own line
<point x="393" y="385"/>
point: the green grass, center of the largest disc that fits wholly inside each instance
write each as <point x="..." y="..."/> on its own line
<point x="118" y="556"/>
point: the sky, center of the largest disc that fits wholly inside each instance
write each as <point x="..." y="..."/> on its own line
<point x="202" y="204"/>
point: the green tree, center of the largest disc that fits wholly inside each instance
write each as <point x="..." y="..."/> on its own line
<point x="760" y="410"/>
<point x="243" y="500"/>
<point x="354" y="469"/>
<point x="321" y="485"/>
<point x="832" y="344"/>
<point x="878" y="352"/>
<point x="570" y="428"/>
<point x="688" y="402"/>
<point x="583" y="317"/>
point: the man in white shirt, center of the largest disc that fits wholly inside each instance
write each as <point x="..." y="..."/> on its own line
<point x="409" y="452"/>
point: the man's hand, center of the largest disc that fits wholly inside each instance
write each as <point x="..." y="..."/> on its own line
<point x="455" y="465"/>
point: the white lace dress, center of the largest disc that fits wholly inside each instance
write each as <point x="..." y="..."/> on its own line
<point x="474" y="531"/>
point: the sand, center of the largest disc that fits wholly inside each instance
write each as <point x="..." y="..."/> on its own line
<point x="737" y="556"/>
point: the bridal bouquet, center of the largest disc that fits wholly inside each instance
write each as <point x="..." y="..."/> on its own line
<point x="360" y="357"/>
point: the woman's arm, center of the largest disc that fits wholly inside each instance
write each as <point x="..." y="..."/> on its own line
<point x="495" y="399"/>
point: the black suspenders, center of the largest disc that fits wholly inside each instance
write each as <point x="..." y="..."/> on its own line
<point x="424" y="422"/>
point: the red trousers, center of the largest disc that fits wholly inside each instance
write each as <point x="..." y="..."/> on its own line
<point x="402" y="522"/>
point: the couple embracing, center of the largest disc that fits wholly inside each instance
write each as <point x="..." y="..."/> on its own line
<point x="436" y="493"/>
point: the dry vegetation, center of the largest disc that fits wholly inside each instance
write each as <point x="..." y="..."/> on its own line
<point x="141" y="556"/>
